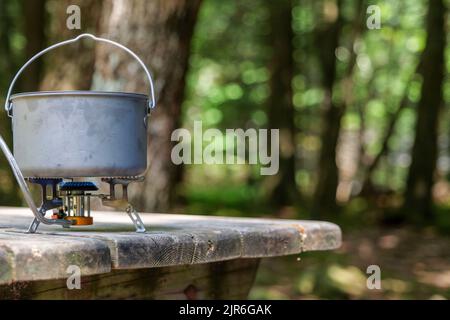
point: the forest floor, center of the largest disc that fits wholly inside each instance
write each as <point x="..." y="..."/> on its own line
<point x="414" y="265"/>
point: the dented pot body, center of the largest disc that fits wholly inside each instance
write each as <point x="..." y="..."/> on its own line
<point x="80" y="133"/>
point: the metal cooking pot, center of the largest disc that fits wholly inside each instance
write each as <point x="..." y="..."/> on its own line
<point x="80" y="133"/>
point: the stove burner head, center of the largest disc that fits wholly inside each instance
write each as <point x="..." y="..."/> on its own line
<point x="78" y="186"/>
<point x="76" y="202"/>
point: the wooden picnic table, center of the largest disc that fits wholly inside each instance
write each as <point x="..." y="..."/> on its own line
<point x="179" y="257"/>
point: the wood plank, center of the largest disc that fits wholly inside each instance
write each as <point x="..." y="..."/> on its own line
<point x="171" y="240"/>
<point x="220" y="280"/>
<point x="41" y="257"/>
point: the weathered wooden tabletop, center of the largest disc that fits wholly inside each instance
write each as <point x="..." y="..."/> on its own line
<point x="171" y="240"/>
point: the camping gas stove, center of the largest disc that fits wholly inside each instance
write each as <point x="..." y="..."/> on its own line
<point x="71" y="200"/>
<point x="63" y="138"/>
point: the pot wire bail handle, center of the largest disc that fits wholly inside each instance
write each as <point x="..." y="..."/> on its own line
<point x="152" y="100"/>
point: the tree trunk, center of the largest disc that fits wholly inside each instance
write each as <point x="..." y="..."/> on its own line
<point x="418" y="196"/>
<point x="281" y="109"/>
<point x="160" y="33"/>
<point x="328" y="38"/>
<point x="9" y="194"/>
<point x="71" y="67"/>
<point x="325" y="193"/>
<point x="34" y="11"/>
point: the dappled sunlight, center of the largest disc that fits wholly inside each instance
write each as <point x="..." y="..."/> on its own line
<point x="349" y="280"/>
<point x="410" y="269"/>
<point x="388" y="241"/>
<point x="437" y="279"/>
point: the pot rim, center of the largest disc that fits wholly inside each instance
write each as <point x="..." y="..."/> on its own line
<point x="79" y="93"/>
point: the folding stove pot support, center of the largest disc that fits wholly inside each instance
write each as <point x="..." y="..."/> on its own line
<point x="62" y="136"/>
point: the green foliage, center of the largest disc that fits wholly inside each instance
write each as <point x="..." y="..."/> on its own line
<point x="227" y="83"/>
<point x="12" y="43"/>
<point x="228" y="78"/>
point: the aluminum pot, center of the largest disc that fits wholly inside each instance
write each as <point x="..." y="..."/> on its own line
<point x="80" y="133"/>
